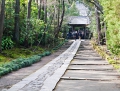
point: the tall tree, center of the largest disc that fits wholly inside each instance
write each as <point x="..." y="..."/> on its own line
<point x="16" y="28"/>
<point x="29" y="9"/>
<point x="28" y="21"/>
<point x="2" y="10"/>
<point x="97" y="4"/>
<point x="45" y="11"/>
<point x="39" y="8"/>
<point x="98" y="27"/>
<point x="28" y="14"/>
<point x="98" y="11"/>
<point x="60" y="18"/>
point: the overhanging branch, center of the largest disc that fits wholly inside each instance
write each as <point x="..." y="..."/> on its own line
<point x="96" y="3"/>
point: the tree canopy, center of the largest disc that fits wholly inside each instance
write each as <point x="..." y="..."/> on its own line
<point x="41" y="22"/>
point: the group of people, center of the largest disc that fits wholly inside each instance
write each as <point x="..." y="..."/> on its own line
<point x="75" y="35"/>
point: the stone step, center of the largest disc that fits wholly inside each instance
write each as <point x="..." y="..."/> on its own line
<point x="79" y="62"/>
<point x="87" y="85"/>
<point x="90" y="67"/>
<point x="89" y="49"/>
<point x="86" y="51"/>
<point x="88" y="58"/>
<point x="84" y="54"/>
<point x="90" y="74"/>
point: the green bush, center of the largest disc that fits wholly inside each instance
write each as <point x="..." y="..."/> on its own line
<point x="47" y="53"/>
<point x="20" y="63"/>
<point x="4" y="71"/>
<point x="24" y="62"/>
<point x="7" y="43"/>
<point x="112" y="19"/>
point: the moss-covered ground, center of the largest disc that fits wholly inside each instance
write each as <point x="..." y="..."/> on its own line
<point x="14" y="53"/>
<point x="107" y="55"/>
<point x="17" y="58"/>
<point x="22" y="52"/>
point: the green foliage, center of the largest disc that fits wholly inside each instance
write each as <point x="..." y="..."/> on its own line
<point x="36" y="29"/>
<point x="112" y="18"/>
<point x="92" y="25"/>
<point x="4" y="71"/>
<point x="20" y="63"/>
<point x="14" y="53"/>
<point x="34" y="9"/>
<point x="9" y="17"/>
<point x="112" y="59"/>
<point x="72" y="10"/>
<point x="33" y="35"/>
<point x="7" y="43"/>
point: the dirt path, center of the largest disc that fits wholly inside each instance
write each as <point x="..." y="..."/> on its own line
<point x="14" y="77"/>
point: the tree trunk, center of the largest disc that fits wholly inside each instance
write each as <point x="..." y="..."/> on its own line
<point x="97" y="5"/>
<point x="58" y="20"/>
<point x="28" y="14"/>
<point x="45" y="20"/>
<point x="16" y="28"/>
<point x="45" y="10"/>
<point x="28" y="21"/>
<point x="61" y="21"/>
<point x="39" y="9"/>
<point x="63" y="12"/>
<point x="29" y="9"/>
<point x="105" y="30"/>
<point x="2" y="10"/>
<point x="98" y="26"/>
<point x="42" y="9"/>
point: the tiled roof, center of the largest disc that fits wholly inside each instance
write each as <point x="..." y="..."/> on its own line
<point x="79" y="20"/>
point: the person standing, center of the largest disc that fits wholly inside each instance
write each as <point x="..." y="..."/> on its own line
<point x="79" y="34"/>
<point x="82" y="35"/>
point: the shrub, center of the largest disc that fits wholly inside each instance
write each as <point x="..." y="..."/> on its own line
<point x="20" y="63"/>
<point x="7" y="43"/>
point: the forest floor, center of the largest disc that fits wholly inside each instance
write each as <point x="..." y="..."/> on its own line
<point x="8" y="80"/>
